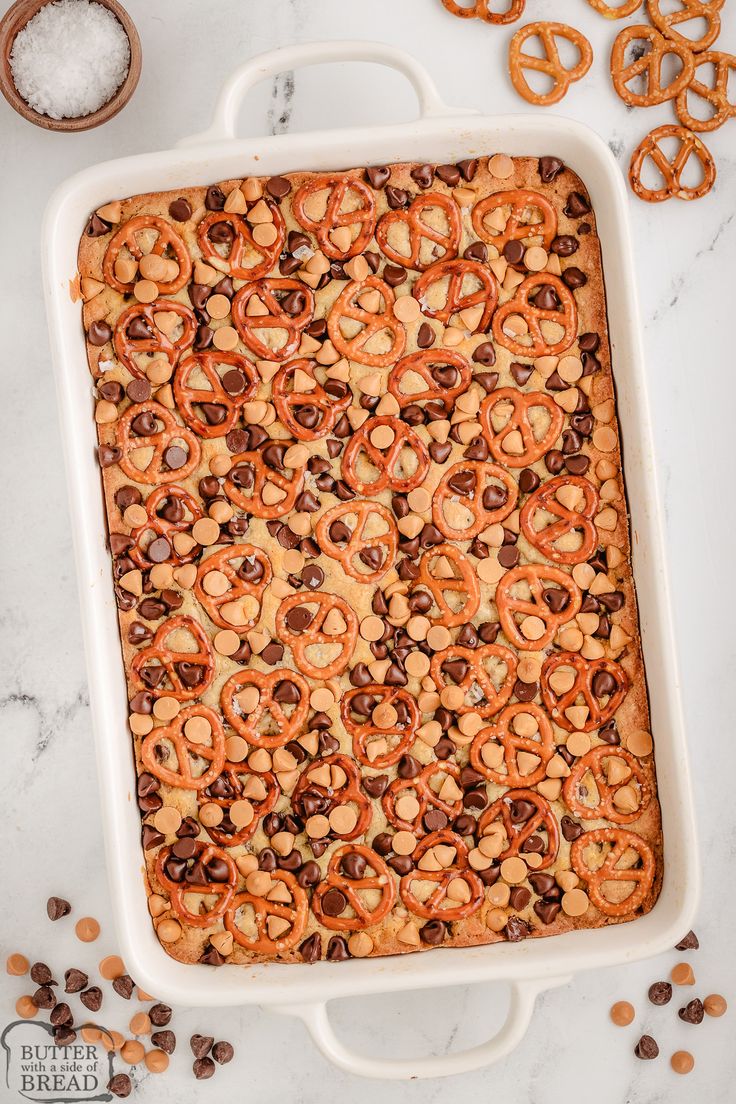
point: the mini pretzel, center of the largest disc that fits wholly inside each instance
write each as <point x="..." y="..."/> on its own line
<point x="267" y="292"/>
<point x="463" y="581"/>
<point x="315" y="637"/>
<point x="420" y="230"/>
<point x="380" y="881"/>
<point x="715" y="94"/>
<point x="262" y="474"/>
<point x="480" y="10"/>
<point x="621" y="11"/>
<point x="690" y="10"/>
<point x="155" y="472"/>
<point x="585" y="672"/>
<point x="486" y="475"/>
<point x="173" y="685"/>
<point x="671" y="171"/>
<point x="550" y="64"/>
<point x="520" y="225"/>
<point x="566" y="316"/>
<point x="543" y="819"/>
<point x="158" y="343"/>
<point x="456" y="300"/>
<point x="126" y="237"/>
<point x="187" y="751"/>
<point x="362" y="216"/>
<point x="619" y="841"/>
<point x="521" y="421"/>
<point x="295" y="912"/>
<point x="501" y="732"/>
<point x="189" y="397"/>
<point x="477" y="675"/>
<point x="426" y="796"/>
<point x="348" y="792"/>
<point x="578" y="520"/>
<point x="422" y="364"/>
<point x="348" y="553"/>
<point x="399" y="737"/>
<point x="575" y="789"/>
<point x="205" y="914"/>
<point x="289" y="402"/>
<point x="433" y="906"/>
<point x="239" y="587"/>
<point x="232" y="775"/>
<point x="243" y="248"/>
<point x="286" y="726"/>
<point x="381" y="323"/>
<point x="509" y="606"/>
<point x="157" y="526"/>
<point x="650" y="63"/>
<point x="388" y="461"/>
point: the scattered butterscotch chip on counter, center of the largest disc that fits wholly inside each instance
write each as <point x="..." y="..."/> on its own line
<point x="157" y="1061"/>
<point x="715" y="1005"/>
<point x="682" y="1061"/>
<point x="682" y="974"/>
<point x="87" y="929"/>
<point x="16" y="965"/>
<point x="26" y="1007"/>
<point x="622" y="1013"/>
<point x="111" y="967"/>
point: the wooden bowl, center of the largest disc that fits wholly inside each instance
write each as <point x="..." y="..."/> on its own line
<point x="16" y="18"/>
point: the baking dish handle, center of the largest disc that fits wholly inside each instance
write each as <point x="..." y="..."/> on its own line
<point x="521" y="1007"/>
<point x="297" y="56"/>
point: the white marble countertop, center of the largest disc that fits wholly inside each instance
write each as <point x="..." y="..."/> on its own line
<point x="49" y="793"/>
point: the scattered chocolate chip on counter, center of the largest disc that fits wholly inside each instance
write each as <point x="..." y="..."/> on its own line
<point x="660" y="992"/>
<point x="57" y="907"/>
<point x="646" y="1048"/>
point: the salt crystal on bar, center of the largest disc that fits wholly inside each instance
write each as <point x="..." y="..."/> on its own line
<point x="70" y="59"/>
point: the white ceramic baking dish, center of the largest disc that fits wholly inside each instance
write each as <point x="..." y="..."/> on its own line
<point x="441" y="135"/>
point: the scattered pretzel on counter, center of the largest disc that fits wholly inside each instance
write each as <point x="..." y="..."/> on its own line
<point x="550" y="64"/>
<point x="357" y="435"/>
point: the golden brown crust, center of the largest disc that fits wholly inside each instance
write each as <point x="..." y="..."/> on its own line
<point x="593" y="392"/>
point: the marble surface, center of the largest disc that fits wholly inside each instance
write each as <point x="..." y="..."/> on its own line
<point x="51" y="819"/>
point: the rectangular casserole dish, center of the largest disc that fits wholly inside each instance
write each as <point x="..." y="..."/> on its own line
<point x="442" y="135"/>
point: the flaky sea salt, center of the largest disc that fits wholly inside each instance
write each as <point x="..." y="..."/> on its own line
<point x="70" y="59"/>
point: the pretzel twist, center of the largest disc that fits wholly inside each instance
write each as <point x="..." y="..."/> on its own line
<point x="481" y="516"/>
<point x="189" y="397"/>
<point x="278" y="320"/>
<point x="224" y="561"/>
<point x="477" y="674"/>
<point x="253" y="503"/>
<point x="289" y="401"/>
<point x="542" y="745"/>
<point x="521" y="421"/>
<point x="706" y="10"/>
<point x="463" y="582"/>
<point x="622" y="11"/>
<point x="315" y="636"/>
<point x="363" y="732"/>
<point x="649" y="64"/>
<point x="671" y="171"/>
<point x="338" y="189"/>
<point x="715" y="94"/>
<point x="434" y="906"/>
<point x="456" y="300"/>
<point x="565" y="316"/>
<point x="640" y="877"/>
<point x="349" y="793"/>
<point x="543" y="819"/>
<point x="481" y="10"/>
<point x="427" y="797"/>
<point x="519" y="223"/>
<point x="206" y="915"/>
<point x="157" y="343"/>
<point x="186" y="750"/>
<point x="156" y="526"/>
<point x="568" y="520"/>
<point x="347" y="306"/>
<point x="287" y="726"/>
<point x="155" y="472"/>
<point x="379" y="881"/>
<point x="243" y="247"/>
<point x="604" y="807"/>
<point x="295" y="912"/>
<point x="126" y="237"/>
<point x="387" y="461"/>
<point x="585" y="672"/>
<point x="169" y="659"/>
<point x="421" y="364"/>
<point x="419" y="230"/>
<point x="550" y="64"/>
<point x="509" y="606"/>
<point x="348" y="554"/>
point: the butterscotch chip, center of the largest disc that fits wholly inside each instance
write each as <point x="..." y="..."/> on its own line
<point x="407" y="807"/>
<point x="404" y="843"/>
<point x="452" y="697"/>
<point x="236" y="749"/>
<point x="715" y="1005"/>
<point x="343" y="819"/>
<point x="566" y="879"/>
<point x="166" y="708"/>
<point x="501" y="166"/>
<point x="372" y="628"/>
<point x="514" y="870"/>
<point x="145" y="291"/>
<point x="535" y="259"/>
<point x="499" y="894"/>
<point x="241" y="813"/>
<point x="360" y="944"/>
<point x="682" y="1061"/>
<point x="409" y="934"/>
<point x="210" y="814"/>
<point x="417" y="664"/>
<point x="622" y="1013"/>
<point x="157" y="1061"/>
<point x="682" y="974"/>
<point x="226" y="642"/>
<point x="639" y="743"/>
<point x="578" y="743"/>
<point x="167" y="819"/>
<point x="169" y="931"/>
<point x="575" y="902"/>
<point x="225" y="338"/>
<point x="87" y="929"/>
<point x="529" y="669"/>
<point x="140" y="1024"/>
<point x="419" y="500"/>
<point x="496" y="919"/>
<point x="321" y="699"/>
<point x="407" y="309"/>
<point x="604" y="438"/>
<point x="532" y="627"/>
<point x="206" y="531"/>
<point x="111" y="967"/>
<point x="198" y="730"/>
<point x="439" y="638"/>
<point x="317" y="826"/>
<point x="17" y="965"/>
<point x="132" y="1052"/>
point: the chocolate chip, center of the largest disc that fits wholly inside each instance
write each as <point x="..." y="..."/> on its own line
<point x="124" y="986"/>
<point x="521" y="373"/>
<point x="180" y="210"/>
<point x="477" y="251"/>
<point x="164" y="1040"/>
<point x="549" y="168"/>
<point x="99" y="333"/>
<point x="377" y="175"/>
<point x="214" y="199"/>
<point x="693" y="1012"/>
<point x="56" y="907"/>
<point x="516" y="929"/>
<point x="120" y="1085"/>
<point x="311" y="948"/>
<point x="203" y="1068"/>
<point x="376" y="786"/>
<point x="690" y="942"/>
<point x="646" y="1048"/>
<point x="41" y="974"/>
<point x="223" y="1052"/>
<point x="577" y="205"/>
<point x="92" y="998"/>
<point x="425" y="336"/>
<point x="564" y="245"/>
<point x="396" y="197"/>
<point x="201" y="1045"/>
<point x="334" y="902"/>
<point x="160" y="1015"/>
<point x="278" y="187"/>
<point x="75" y="981"/>
<point x="448" y="174"/>
<point x="96" y="226"/>
<point x="660" y="992"/>
<point x="44" y="997"/>
<point x="513" y="251"/>
<point x="61" y="1015"/>
<point x="423" y="175"/>
<point x="571" y="830"/>
<point x="433" y="932"/>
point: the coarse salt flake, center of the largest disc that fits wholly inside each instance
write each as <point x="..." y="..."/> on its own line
<point x="70" y="59"/>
